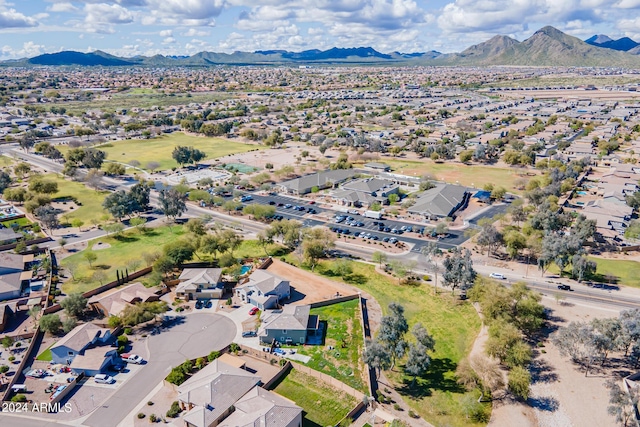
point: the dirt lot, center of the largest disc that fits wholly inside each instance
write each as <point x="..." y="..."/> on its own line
<point x="561" y="395"/>
<point x="308" y="287"/>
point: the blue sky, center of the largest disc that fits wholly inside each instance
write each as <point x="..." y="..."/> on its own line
<point x="184" y="27"/>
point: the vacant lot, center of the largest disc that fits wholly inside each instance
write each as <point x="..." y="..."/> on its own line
<point x="159" y="149"/>
<point x="89" y="201"/>
<point x="471" y="175"/>
<point x="344" y="334"/>
<point x="454" y="325"/>
<point x="124" y="252"/>
<point x="308" y="286"/>
<point x="322" y="404"/>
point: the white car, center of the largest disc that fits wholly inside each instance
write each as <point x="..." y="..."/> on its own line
<point x="497" y="276"/>
<point x="104" y="379"/>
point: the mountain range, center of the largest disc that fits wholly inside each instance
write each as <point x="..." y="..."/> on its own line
<point x="546" y="47"/>
<point x="624" y="44"/>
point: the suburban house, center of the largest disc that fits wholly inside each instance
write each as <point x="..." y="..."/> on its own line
<point x="84" y="349"/>
<point x="8" y="236"/>
<point x="264" y="289"/>
<point x="112" y="303"/>
<point x="365" y="192"/>
<point x="200" y="283"/>
<point x="13" y="277"/>
<point x="441" y="201"/>
<point x="293" y="324"/>
<point x="320" y="180"/>
<point x="261" y="407"/>
<point x="209" y="396"/>
<point x="611" y="218"/>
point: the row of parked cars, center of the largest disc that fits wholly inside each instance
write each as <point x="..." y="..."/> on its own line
<point x="363" y="234"/>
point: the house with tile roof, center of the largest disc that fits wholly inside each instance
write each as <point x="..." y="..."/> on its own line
<point x="200" y="283"/>
<point x="263" y="408"/>
<point x="112" y="303"/>
<point x="292" y="324"/>
<point x="264" y="289"/>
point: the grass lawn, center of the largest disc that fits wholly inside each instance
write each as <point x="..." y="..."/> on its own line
<point x="160" y="149"/>
<point x="454" y="325"/>
<point x="123" y="253"/>
<point x="323" y="405"/>
<point x="46" y="355"/>
<point x="91" y="200"/>
<point x="343" y="363"/>
<point x="470" y="175"/>
<point x="5" y="161"/>
<point x="626" y="271"/>
<point x="20" y="221"/>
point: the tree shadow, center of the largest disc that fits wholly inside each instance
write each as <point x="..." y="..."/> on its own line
<point x="101" y="267"/>
<point x="355" y="279"/>
<point x="440" y="377"/>
<point x="125" y="238"/>
<point x="542" y="372"/>
<point x="546" y="404"/>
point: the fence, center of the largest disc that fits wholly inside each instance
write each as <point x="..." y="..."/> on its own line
<point x="333" y="301"/>
<point x="337" y="384"/>
<point x="61" y="395"/>
<point x="28" y="243"/>
<point x="372" y="380"/>
<point x="35" y="343"/>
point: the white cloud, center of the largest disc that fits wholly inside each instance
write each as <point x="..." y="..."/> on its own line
<point x="183" y="12"/>
<point x="62" y="7"/>
<point x="192" y="32"/>
<point x="628" y="4"/>
<point x="166" y="33"/>
<point x="10" y="18"/>
<point x="168" y="40"/>
<point x="101" y="17"/>
<point x="28" y="49"/>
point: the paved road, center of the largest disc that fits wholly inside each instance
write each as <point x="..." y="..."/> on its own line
<point x="196" y="336"/>
<point x="9" y="420"/>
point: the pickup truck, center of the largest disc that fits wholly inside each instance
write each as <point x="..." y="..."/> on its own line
<point x="132" y="358"/>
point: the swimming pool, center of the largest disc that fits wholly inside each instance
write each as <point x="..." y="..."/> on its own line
<point x="582" y="193"/>
<point x="245" y="269"/>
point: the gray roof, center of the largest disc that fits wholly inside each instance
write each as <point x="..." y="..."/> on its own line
<point x="11" y="263"/>
<point x="370" y="185"/>
<point x="262" y="408"/>
<point x="201" y="275"/>
<point x="80" y="336"/>
<point x="353" y="196"/>
<point x="439" y="200"/>
<point x="293" y="318"/>
<point x="264" y="281"/>
<point x="9" y="234"/>
<point x="214" y="390"/>
<point x="320" y="179"/>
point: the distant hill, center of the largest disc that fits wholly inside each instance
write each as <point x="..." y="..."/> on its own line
<point x="79" y="58"/>
<point x="623" y="44"/>
<point x="546" y="47"/>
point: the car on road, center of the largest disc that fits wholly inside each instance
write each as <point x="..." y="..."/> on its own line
<point x="497" y="276"/>
<point x="564" y="287"/>
<point x="247" y="334"/>
<point x="312" y="202"/>
<point x="246" y="198"/>
<point x="253" y="311"/>
<point x="132" y="358"/>
<point x="104" y="379"/>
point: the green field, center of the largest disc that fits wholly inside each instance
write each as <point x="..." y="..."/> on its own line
<point x="91" y="200"/>
<point x="160" y="149"/>
<point x="470" y="175"/>
<point x="454" y="325"/>
<point x="5" y="161"/>
<point x="625" y="271"/>
<point x="139" y="98"/>
<point x="322" y="404"/>
<point x="343" y="363"/>
<point x="123" y="252"/>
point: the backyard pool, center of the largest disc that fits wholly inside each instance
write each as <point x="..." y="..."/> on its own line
<point x="245" y="269"/>
<point x="582" y="193"/>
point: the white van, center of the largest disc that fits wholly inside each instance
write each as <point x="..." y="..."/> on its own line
<point x="497" y="276"/>
<point x="19" y="388"/>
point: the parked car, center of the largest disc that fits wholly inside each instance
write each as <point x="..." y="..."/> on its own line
<point x="288" y="206"/>
<point x="132" y="358"/>
<point x="271" y="202"/>
<point x="564" y="287"/>
<point x="199" y="304"/>
<point x="118" y="367"/>
<point x="253" y="311"/>
<point x="497" y="276"/>
<point x="247" y="334"/>
<point x="208" y="304"/>
<point x="36" y="373"/>
<point x="104" y="379"/>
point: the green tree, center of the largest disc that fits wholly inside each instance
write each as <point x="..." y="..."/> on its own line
<point x="91" y="257"/>
<point x="519" y="382"/>
<point x="50" y="323"/>
<point x="74" y="305"/>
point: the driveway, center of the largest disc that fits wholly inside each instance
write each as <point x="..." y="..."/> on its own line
<point x="195" y="335"/>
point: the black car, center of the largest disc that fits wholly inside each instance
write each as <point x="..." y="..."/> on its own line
<point x="271" y="202"/>
<point x="208" y="304"/>
<point x="280" y="204"/>
<point x="247" y="334"/>
<point x="199" y="304"/>
<point x="387" y="229"/>
<point x="564" y="287"/>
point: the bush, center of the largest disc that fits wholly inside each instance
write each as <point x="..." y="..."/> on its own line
<point x="200" y="362"/>
<point x="396" y="407"/>
<point x="123" y="340"/>
<point x="213" y="356"/>
<point x="4" y="369"/>
<point x="141" y="415"/>
<point x="176" y="376"/>
<point x="426" y="278"/>
<point x="128" y="331"/>
<point x="12" y="358"/>
<point x="234" y="348"/>
<point x="149" y="403"/>
<point x="121" y="349"/>
<point x="229" y="301"/>
<point x="18" y="344"/>
<point x="413" y="414"/>
<point x="19" y="398"/>
<point x="153" y="418"/>
<point x="174" y="410"/>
